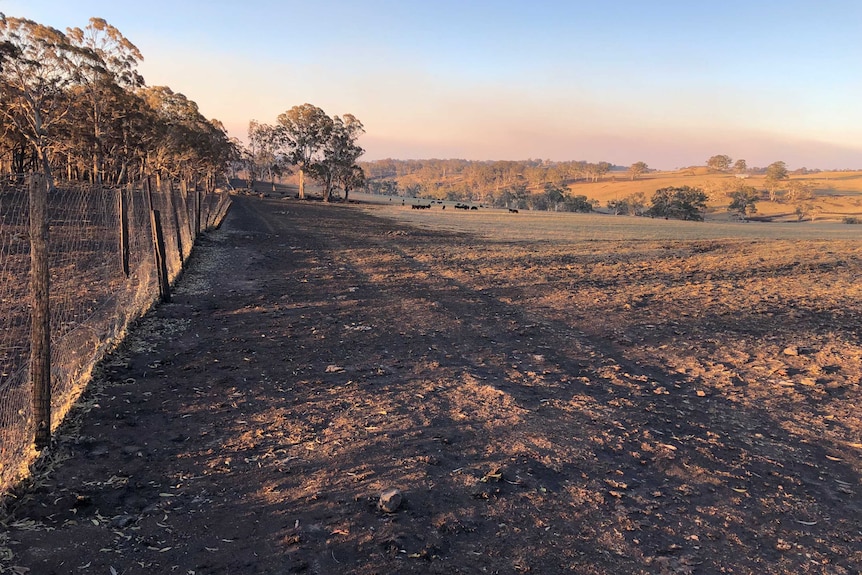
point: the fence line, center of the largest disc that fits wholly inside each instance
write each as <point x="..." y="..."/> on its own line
<point x="102" y="275"/>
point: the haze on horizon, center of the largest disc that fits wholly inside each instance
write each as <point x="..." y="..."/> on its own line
<point x="669" y="83"/>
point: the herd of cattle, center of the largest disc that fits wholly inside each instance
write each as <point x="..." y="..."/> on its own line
<point x="458" y="206"/>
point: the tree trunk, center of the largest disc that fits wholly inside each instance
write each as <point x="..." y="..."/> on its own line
<point x="301" y="184"/>
<point x="327" y="191"/>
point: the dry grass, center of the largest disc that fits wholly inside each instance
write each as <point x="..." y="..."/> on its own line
<point x="837" y="194"/>
<point x="499" y="225"/>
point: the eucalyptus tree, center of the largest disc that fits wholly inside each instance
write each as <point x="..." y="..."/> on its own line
<point x="352" y="179"/>
<point x="105" y="71"/>
<point x="264" y="157"/>
<point x="595" y="172"/>
<point x="682" y="203"/>
<point x="554" y="196"/>
<point x="776" y="173"/>
<point x="33" y="83"/>
<point x="744" y="201"/>
<point x="638" y="169"/>
<point x="340" y="153"/>
<point x="181" y="142"/>
<point x="305" y="130"/>
<point x="719" y="163"/>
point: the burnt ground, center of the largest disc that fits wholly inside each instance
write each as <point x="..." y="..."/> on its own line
<point x="631" y="408"/>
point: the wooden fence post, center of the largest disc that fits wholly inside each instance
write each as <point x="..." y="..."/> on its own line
<point x="123" y="211"/>
<point x="159" y="251"/>
<point x="40" y="320"/>
<point x="197" y="213"/>
<point x="176" y="217"/>
<point x="148" y="187"/>
<point x="188" y="217"/>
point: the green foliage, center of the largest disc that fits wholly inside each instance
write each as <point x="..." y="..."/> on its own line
<point x="579" y="204"/>
<point x="776" y="174"/>
<point x="719" y="163"/>
<point x="555" y="195"/>
<point x="681" y="203"/>
<point x="638" y="169"/>
<point x="631" y="205"/>
<point x="777" y="171"/>
<point x="743" y="201"/>
<point x="304" y="130"/>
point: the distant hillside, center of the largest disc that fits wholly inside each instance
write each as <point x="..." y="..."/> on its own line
<point x="544" y="185"/>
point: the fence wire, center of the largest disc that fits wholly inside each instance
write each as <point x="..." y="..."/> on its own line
<point x="92" y="301"/>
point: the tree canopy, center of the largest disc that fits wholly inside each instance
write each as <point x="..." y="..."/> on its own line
<point x="743" y="201"/>
<point x="777" y="171"/>
<point x="638" y="169"/>
<point x="681" y="203"/>
<point x="325" y="148"/>
<point x="720" y="163"/>
<point x="73" y="102"/>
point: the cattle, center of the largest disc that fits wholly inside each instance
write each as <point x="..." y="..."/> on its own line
<point x="421" y="206"/>
<point x="513" y="211"/>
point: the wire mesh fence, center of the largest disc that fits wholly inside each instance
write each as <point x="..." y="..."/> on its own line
<point x="102" y="276"/>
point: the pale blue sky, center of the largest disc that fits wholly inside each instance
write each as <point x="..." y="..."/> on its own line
<point x="666" y="82"/>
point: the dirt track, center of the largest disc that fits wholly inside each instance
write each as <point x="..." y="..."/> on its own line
<point x="316" y="355"/>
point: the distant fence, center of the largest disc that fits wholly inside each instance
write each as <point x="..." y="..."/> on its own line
<point x="107" y="257"/>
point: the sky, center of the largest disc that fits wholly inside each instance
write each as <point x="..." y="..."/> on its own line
<point x="670" y="83"/>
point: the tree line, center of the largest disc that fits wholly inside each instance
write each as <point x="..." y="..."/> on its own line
<point x="532" y="183"/>
<point x="73" y="104"/>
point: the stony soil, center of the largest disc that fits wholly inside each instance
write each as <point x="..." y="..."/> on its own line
<point x="585" y="407"/>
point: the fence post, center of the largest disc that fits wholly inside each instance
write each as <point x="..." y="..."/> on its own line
<point x="188" y="217"/>
<point x="148" y="187"/>
<point x="176" y="216"/>
<point x="40" y="320"/>
<point x="197" y="213"/>
<point x="122" y="209"/>
<point x="159" y="251"/>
